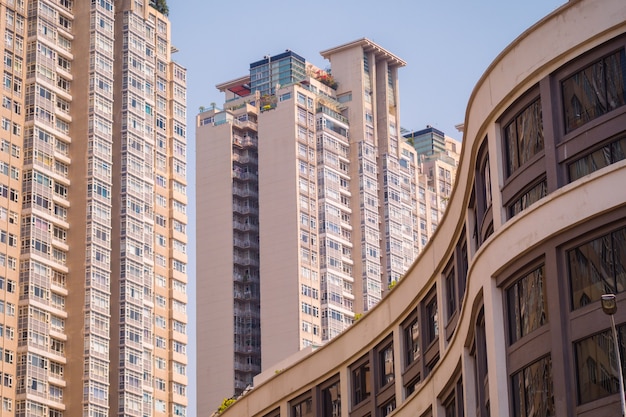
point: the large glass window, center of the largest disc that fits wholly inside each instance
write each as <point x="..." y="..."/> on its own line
<point x="524" y="136"/>
<point x="596" y="365"/>
<point x="331" y="400"/>
<point x="532" y="390"/>
<point x="598" y="267"/>
<point x="302" y="408"/>
<point x="432" y="322"/>
<point x="481" y="370"/>
<point x="527" y="304"/>
<point x="386" y="365"/>
<point x="453" y="404"/>
<point x="450" y="293"/>
<point x="411" y="340"/>
<point x="387" y="407"/>
<point x="608" y="154"/>
<point x="361" y="387"/>
<point x="412" y="353"/>
<point x="595" y="90"/>
<point x="534" y="194"/>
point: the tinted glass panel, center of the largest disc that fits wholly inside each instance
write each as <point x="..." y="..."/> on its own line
<point x="361" y="383"/>
<point x="386" y="361"/>
<point x="527" y="304"/>
<point x="331" y="401"/>
<point x="594" y="91"/>
<point x="531" y="196"/>
<point x="451" y="293"/>
<point x="524" y="136"/>
<point x="532" y="390"/>
<point x="412" y="337"/>
<point x="607" y="155"/>
<point x="303" y="409"/>
<point x="387" y="408"/>
<point x="597" y="267"/>
<point x="596" y="366"/>
<point x="433" y="323"/>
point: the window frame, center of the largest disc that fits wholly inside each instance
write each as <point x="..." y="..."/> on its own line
<point x="299" y="400"/>
<point x="453" y="394"/>
<point x="384" y="391"/>
<point x="322" y="389"/>
<point x="430" y="342"/>
<point x="519" y="276"/>
<point x="362" y="407"/>
<point x="512" y="390"/>
<point x="483" y="208"/>
<point x="479" y="355"/>
<point x="607" y="229"/>
<point x="534" y="169"/>
<point x="571" y="146"/>
<point x="412" y="367"/>
<point x="451" y="298"/>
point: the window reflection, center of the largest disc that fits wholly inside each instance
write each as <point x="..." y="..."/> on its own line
<point x="432" y="321"/>
<point x="531" y="196"/>
<point x="524" y="136"/>
<point x="412" y="335"/>
<point x="597" y="267"/>
<point x="527" y="304"/>
<point x="609" y="154"/>
<point x="532" y="390"/>
<point x="594" y="91"/>
<point x="361" y="383"/>
<point x="386" y="361"/>
<point x="331" y="401"/>
<point x="303" y="408"/>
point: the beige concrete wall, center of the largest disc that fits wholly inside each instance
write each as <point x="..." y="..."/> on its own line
<point x="214" y="248"/>
<point x="279" y="234"/>
<point x="76" y="259"/>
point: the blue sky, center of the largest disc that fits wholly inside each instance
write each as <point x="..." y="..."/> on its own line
<point x="447" y="45"/>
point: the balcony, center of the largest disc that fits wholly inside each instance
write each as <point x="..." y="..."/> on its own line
<point x="247" y="367"/>
<point x="246" y="349"/>
<point x="245" y="124"/>
<point x="241" y="385"/>
<point x="245" y="278"/>
<point x="245" y="243"/>
<point x="243" y="209"/>
<point x="250" y="142"/>
<point x="245" y="159"/>
<point x="245" y="260"/>
<point x="245" y="295"/>
<point x="244" y="176"/>
<point x="245" y="192"/>
<point x="247" y="313"/>
<point x="245" y="227"/>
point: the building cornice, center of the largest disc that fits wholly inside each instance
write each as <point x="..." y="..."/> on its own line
<point x="368" y="46"/>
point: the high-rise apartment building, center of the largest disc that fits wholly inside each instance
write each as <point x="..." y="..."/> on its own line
<point x="428" y="141"/>
<point x="438" y="158"/>
<point x="306" y="173"/>
<point x="92" y="215"/>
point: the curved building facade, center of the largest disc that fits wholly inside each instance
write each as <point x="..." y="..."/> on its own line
<point x="501" y="314"/>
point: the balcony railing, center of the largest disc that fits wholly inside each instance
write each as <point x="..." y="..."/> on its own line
<point x="245" y="260"/>
<point x="245" y="192"/>
<point x="245" y="124"/>
<point x="245" y="227"/>
<point x="244" y="176"/>
<point x="245" y="243"/>
<point x="245" y="159"/>
<point x="238" y="208"/>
